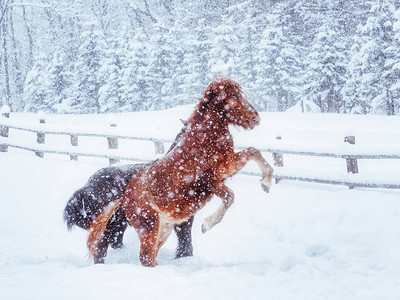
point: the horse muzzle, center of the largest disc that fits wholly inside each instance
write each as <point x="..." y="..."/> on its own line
<point x="255" y="121"/>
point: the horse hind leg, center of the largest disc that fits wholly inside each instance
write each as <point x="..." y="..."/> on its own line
<point x="97" y="241"/>
<point x="101" y="253"/>
<point x="149" y="249"/>
<point x="116" y="228"/>
<point x="152" y="241"/>
<point x="118" y="236"/>
<point x="147" y="226"/>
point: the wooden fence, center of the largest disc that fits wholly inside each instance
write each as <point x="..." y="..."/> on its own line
<point x="112" y="135"/>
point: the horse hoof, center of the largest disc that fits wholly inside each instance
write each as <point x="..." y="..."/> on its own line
<point x="98" y="260"/>
<point x="117" y="246"/>
<point x="265" y="188"/>
<point x="188" y="251"/>
<point x="204" y="228"/>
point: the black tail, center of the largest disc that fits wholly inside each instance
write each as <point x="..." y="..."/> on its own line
<point x="75" y="212"/>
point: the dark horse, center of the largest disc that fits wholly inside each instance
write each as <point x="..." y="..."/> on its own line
<point x="172" y="189"/>
<point x="103" y="187"/>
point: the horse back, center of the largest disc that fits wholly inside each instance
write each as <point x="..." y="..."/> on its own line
<point x="103" y="187"/>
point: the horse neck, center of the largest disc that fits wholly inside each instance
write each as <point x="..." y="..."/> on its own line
<point x="209" y="122"/>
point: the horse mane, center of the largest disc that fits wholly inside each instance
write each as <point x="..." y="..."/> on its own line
<point x="219" y="89"/>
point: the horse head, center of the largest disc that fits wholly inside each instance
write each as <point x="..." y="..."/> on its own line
<point x="229" y="102"/>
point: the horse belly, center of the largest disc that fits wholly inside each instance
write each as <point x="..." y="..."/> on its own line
<point x="180" y="208"/>
<point x="171" y="215"/>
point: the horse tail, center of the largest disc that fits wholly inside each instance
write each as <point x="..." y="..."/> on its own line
<point x="96" y="230"/>
<point x="75" y="211"/>
<point x="68" y="217"/>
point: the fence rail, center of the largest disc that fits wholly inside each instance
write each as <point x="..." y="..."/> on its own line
<point x="339" y="154"/>
<point x="278" y="148"/>
<point x="81" y="131"/>
<point x="110" y="154"/>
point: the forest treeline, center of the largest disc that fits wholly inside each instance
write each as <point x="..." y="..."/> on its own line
<point x="91" y="56"/>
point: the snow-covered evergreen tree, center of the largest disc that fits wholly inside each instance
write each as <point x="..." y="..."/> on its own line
<point x="160" y="68"/>
<point x="135" y="76"/>
<point x="248" y="24"/>
<point x="175" y="51"/>
<point x="90" y="57"/>
<point x="37" y="85"/>
<point x="366" y="89"/>
<point x="268" y="69"/>
<point x="191" y="50"/>
<point x="111" y="76"/>
<point x="353" y="100"/>
<point x="224" y="48"/>
<point x="392" y="75"/>
<point x="277" y="68"/>
<point x="326" y="71"/>
<point x="60" y="81"/>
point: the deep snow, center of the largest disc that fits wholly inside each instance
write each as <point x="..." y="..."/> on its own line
<point x="300" y="241"/>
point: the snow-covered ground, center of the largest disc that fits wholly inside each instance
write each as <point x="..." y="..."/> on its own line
<point x="300" y="241"/>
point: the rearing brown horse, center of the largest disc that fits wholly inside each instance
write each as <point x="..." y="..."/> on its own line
<point x="175" y="187"/>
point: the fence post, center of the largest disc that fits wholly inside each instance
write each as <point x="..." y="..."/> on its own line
<point x="40" y="135"/>
<point x="351" y="163"/>
<point x="278" y="159"/>
<point x="159" y="147"/>
<point x="112" y="144"/>
<point x="74" y="140"/>
<point x="5" y="112"/>
<point x="74" y="143"/>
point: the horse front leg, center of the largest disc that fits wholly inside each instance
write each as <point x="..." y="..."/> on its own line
<point x="242" y="158"/>
<point x="227" y="197"/>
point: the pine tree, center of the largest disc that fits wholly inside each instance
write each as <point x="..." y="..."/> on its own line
<point x="223" y="52"/>
<point x="37" y="85"/>
<point x="267" y="69"/>
<point x="249" y="24"/>
<point x="160" y="69"/>
<point x="174" y="47"/>
<point x="110" y="76"/>
<point x="135" y="76"/>
<point x="60" y="80"/>
<point x="191" y="48"/>
<point x="366" y="89"/>
<point x="90" y="57"/>
<point x="353" y="100"/>
<point x="326" y="71"/>
<point x="277" y="68"/>
<point x="392" y="71"/>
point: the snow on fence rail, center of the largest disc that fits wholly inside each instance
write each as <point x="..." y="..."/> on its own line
<point x="277" y="148"/>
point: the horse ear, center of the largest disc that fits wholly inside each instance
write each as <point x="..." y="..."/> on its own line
<point x="219" y="93"/>
<point x="221" y="96"/>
